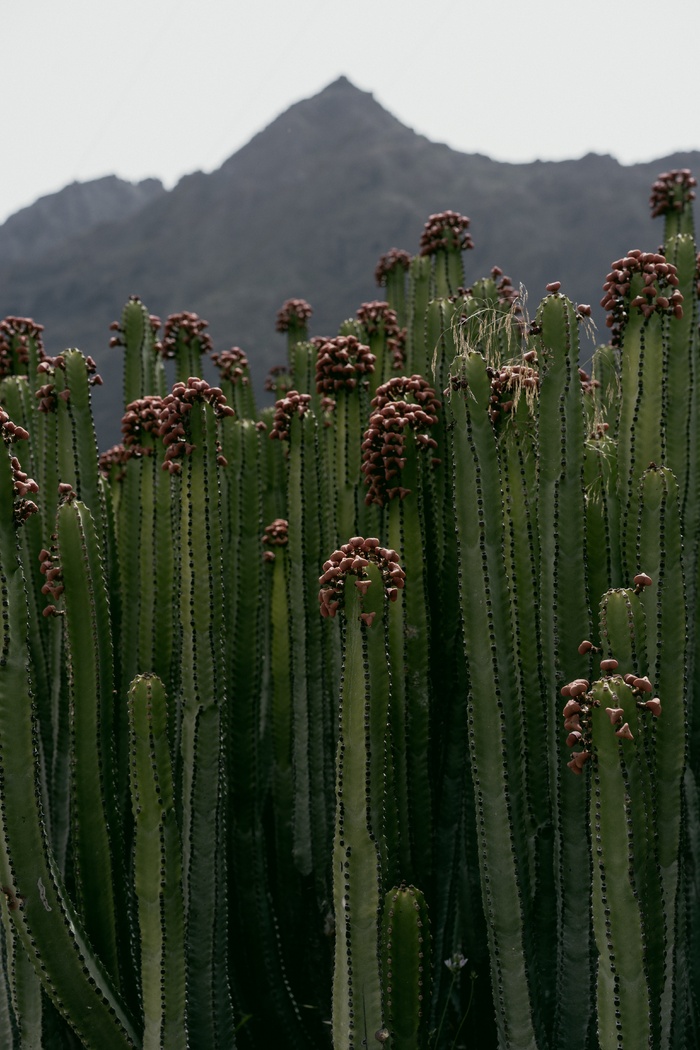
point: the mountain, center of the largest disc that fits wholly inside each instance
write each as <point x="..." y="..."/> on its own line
<point x="55" y="219"/>
<point x="305" y="209"/>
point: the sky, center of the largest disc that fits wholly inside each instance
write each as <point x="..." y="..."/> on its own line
<point x="161" y="88"/>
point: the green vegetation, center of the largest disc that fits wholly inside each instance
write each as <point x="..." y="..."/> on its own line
<point x="372" y="719"/>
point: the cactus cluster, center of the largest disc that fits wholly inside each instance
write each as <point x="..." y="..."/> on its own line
<point x="299" y="742"/>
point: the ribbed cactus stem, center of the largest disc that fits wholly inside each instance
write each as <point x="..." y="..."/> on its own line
<point x="493" y="718"/>
<point x="681" y="379"/>
<point x="379" y="328"/>
<point x="397" y="454"/>
<point x="94" y="811"/>
<point x="51" y="931"/>
<point x="661" y="555"/>
<point x="612" y="726"/>
<point x="672" y="197"/>
<point x="562" y="544"/>
<point x="190" y="419"/>
<point x="28" y="1000"/>
<point x="293" y="319"/>
<point x="355" y="579"/>
<point x="441" y="330"/>
<point x="419" y="295"/>
<point x="443" y="240"/>
<point x="143" y="368"/>
<point x="602" y="514"/>
<point x="185" y="339"/>
<point x="21" y="348"/>
<point x="623" y="998"/>
<point x="344" y="367"/>
<point x="308" y="534"/>
<point x="236" y="381"/>
<point x="157" y="869"/>
<point x="406" y="967"/>
<point x="390" y="273"/>
<point x="276" y="540"/>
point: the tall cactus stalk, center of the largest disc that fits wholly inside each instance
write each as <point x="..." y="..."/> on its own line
<point x="37" y="905"/>
<point x="355" y="580"/>
<point x="157" y="868"/>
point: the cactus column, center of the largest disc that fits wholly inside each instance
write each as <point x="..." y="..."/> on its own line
<point x="356" y="579"/>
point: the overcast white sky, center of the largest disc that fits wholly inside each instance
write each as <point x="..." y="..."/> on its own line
<point x="163" y="87"/>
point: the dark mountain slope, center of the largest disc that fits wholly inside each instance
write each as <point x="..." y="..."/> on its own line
<point x="305" y="209"/>
<point x="57" y="218"/>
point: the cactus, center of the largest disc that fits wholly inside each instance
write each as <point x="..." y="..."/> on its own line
<point x="355" y="580"/>
<point x="157" y="868"/>
<point x="208" y="790"/>
<point x="406" y="966"/>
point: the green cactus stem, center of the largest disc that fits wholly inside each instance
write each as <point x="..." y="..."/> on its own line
<point x="602" y="512"/>
<point x="234" y="372"/>
<point x="418" y="296"/>
<point x="146" y="533"/>
<point x="186" y="340"/>
<point x="562" y="544"/>
<point x="623" y="633"/>
<point x="641" y="292"/>
<point x="390" y="273"/>
<point x="157" y="869"/>
<point x="94" y="747"/>
<point x="37" y="906"/>
<point x="189" y="427"/>
<point x="279" y="381"/>
<point x="292" y="319"/>
<point x="661" y="553"/>
<point x="21" y="348"/>
<point x="344" y="367"/>
<point x="276" y="540"/>
<point x="494" y="720"/>
<point x="356" y="580"/>
<point x="309" y="533"/>
<point x="379" y="328"/>
<point x="443" y="240"/>
<point x="406" y="967"/>
<point x="137" y="333"/>
<point x="398" y="449"/>
<point x="607" y="720"/>
<point x="672" y="196"/>
<point x="296" y="426"/>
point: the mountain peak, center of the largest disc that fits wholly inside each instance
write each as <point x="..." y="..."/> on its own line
<point x="342" y="83"/>
<point x="339" y="117"/>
